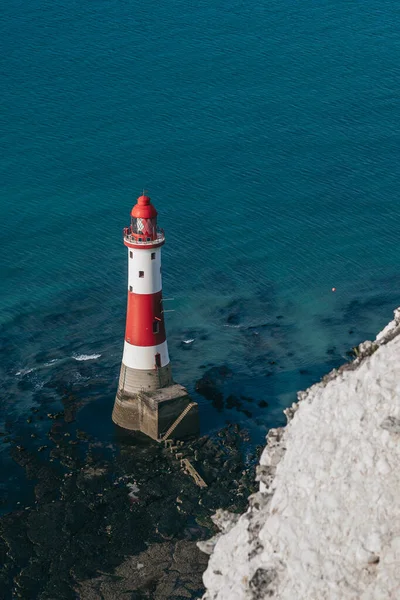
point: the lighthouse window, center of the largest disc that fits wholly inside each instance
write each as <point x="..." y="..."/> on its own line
<point x="155" y="326"/>
<point x="130" y="254"/>
<point x="141" y="273"/>
<point x="130" y="288"/>
<point x="153" y="256"/>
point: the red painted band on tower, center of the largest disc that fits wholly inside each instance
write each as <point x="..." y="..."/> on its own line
<point x="144" y="320"/>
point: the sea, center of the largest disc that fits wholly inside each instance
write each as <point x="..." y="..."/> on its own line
<point x="267" y="135"/>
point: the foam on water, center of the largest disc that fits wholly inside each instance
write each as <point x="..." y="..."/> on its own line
<point x="52" y="362"/>
<point x="80" y="357"/>
<point x="24" y="372"/>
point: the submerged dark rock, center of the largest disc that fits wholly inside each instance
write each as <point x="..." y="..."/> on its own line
<point x="233" y="312"/>
<point x="233" y="319"/>
<point x="246" y="398"/>
<point x="233" y="401"/>
<point x="211" y="383"/>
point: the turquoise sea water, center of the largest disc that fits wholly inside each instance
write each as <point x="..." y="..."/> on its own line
<point x="267" y="134"/>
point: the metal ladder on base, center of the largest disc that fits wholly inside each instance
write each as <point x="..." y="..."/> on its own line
<point x="177" y="421"/>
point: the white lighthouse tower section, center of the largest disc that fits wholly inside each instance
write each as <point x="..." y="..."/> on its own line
<point x="142" y="357"/>
<point x="144" y="270"/>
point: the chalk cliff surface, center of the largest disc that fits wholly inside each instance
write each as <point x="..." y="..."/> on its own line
<point x="325" y="523"/>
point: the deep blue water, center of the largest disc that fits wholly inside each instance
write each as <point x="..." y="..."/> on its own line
<point x="267" y="134"/>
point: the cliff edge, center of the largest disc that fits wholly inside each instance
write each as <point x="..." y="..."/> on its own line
<point x="325" y="523"/>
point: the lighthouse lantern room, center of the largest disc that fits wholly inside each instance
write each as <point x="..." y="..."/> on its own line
<point x="147" y="399"/>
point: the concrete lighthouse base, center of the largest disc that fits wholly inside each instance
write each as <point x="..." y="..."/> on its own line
<point x="155" y="413"/>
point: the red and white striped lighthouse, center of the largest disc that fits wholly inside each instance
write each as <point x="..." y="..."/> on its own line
<point x="145" y="347"/>
<point x="145" y="383"/>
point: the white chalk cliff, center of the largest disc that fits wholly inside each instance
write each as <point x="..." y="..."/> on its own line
<point x="325" y="523"/>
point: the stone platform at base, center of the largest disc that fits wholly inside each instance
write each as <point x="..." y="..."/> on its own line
<point x="153" y="413"/>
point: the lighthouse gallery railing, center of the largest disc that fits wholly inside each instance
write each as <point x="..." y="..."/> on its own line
<point x="127" y="234"/>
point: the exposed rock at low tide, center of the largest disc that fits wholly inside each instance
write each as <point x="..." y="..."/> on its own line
<point x="98" y="512"/>
<point x="165" y="571"/>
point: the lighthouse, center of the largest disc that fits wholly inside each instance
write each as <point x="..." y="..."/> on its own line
<point x="148" y="399"/>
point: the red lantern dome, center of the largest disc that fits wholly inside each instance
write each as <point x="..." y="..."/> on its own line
<point x="144" y="209"/>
